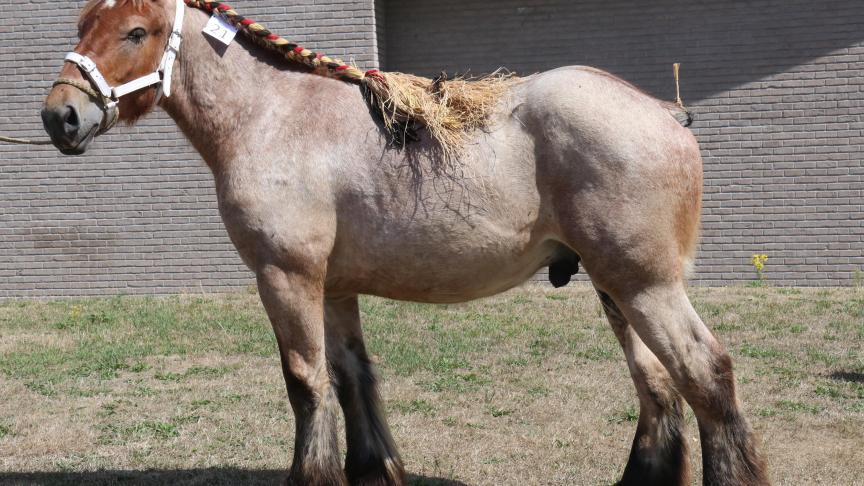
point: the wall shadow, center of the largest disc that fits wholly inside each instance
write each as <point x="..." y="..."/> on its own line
<point x="720" y="44"/>
<point x="187" y="477"/>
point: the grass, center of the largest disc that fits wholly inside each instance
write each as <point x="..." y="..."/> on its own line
<point x="526" y="388"/>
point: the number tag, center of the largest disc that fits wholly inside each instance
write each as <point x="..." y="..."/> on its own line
<point x="220" y="29"/>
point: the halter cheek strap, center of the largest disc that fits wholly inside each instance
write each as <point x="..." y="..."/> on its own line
<point x="108" y="96"/>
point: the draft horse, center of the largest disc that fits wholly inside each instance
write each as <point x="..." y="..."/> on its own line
<point x="573" y="165"/>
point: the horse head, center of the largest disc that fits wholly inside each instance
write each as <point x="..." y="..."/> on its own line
<point x="119" y="69"/>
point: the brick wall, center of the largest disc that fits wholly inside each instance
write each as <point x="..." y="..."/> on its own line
<point x="777" y="87"/>
<point x="137" y="214"/>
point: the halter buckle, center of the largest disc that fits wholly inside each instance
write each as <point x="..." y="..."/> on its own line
<point x="174" y="41"/>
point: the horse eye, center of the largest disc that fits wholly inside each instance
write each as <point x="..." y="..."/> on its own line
<point x="137" y="35"/>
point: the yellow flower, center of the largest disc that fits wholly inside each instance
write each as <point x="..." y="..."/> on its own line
<point x="758" y="261"/>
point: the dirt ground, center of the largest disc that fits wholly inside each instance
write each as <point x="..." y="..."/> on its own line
<point x="528" y="388"/>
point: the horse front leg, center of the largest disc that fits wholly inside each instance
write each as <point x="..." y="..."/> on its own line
<point x="372" y="458"/>
<point x="659" y="455"/>
<point x="294" y="302"/>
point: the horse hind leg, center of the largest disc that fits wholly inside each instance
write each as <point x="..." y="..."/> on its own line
<point x="662" y="316"/>
<point x="372" y="458"/>
<point x="659" y="454"/>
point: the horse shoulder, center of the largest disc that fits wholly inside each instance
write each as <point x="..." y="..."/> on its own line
<point x="274" y="215"/>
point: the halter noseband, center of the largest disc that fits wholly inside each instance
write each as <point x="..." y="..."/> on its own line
<point x="107" y="96"/>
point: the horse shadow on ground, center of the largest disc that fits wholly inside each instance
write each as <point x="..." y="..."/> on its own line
<point x="848" y="376"/>
<point x="189" y="477"/>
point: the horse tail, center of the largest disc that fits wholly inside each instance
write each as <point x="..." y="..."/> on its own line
<point x="679" y="112"/>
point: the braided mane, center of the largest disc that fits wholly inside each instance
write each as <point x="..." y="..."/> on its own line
<point x="448" y="109"/>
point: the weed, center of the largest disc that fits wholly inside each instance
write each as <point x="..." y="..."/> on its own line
<point x="796" y="406"/>
<point x="727" y="327"/>
<point x="596" y="353"/>
<point x="168" y="376"/>
<point x="789" y="291"/>
<point x="823" y="357"/>
<point x="538" y="348"/>
<point x="456" y="382"/>
<point x="109" y="409"/>
<point x="122" y="434"/>
<point x="417" y="406"/>
<point x="629" y="414"/>
<point x="766" y="412"/>
<point x="828" y="391"/>
<point x="500" y="412"/>
<point x="760" y="352"/>
<point x="516" y="362"/>
<point x="139" y="367"/>
<point x="43" y="388"/>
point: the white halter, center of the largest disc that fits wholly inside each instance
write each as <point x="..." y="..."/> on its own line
<point x="162" y="75"/>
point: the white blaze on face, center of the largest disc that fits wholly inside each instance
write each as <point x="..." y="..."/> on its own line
<point x="110" y="3"/>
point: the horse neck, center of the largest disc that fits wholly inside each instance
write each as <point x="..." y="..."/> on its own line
<point x="217" y="93"/>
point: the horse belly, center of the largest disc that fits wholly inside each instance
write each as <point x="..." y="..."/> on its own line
<point x="438" y="265"/>
<point x="425" y="236"/>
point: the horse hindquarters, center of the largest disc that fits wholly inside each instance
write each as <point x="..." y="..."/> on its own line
<point x="638" y="254"/>
<point x="625" y="180"/>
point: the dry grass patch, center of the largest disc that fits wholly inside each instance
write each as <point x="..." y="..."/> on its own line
<point x="526" y="388"/>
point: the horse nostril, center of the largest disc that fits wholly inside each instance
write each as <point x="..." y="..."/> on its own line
<point x="71" y="120"/>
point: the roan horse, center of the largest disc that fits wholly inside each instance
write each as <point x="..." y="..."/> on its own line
<point x="576" y="165"/>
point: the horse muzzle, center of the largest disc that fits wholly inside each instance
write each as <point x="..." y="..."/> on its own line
<point x="71" y="120"/>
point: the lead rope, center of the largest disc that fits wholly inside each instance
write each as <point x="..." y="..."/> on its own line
<point x="23" y="141"/>
<point x="86" y="89"/>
